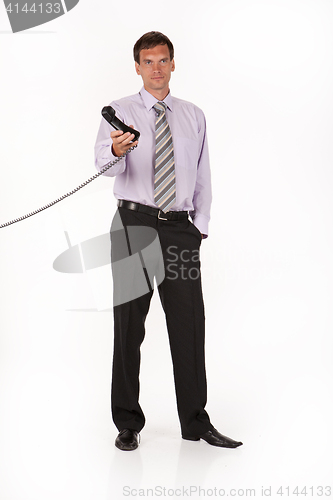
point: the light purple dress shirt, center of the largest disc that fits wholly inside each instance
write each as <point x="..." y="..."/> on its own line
<point x="135" y="173"/>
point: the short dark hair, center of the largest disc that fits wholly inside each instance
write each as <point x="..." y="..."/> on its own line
<point x="149" y="41"/>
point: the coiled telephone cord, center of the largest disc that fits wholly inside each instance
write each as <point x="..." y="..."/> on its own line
<point x="102" y="171"/>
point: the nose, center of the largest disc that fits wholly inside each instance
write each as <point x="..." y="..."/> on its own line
<point x="156" y="67"/>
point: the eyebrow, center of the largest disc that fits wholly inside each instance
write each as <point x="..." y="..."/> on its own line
<point x="162" y="58"/>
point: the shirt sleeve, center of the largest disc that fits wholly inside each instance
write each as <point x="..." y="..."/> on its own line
<point x="103" y="147"/>
<point x="202" y="198"/>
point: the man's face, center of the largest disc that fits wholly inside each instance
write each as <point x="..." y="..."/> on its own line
<point x="155" y="69"/>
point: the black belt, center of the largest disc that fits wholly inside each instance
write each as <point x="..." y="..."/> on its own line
<point x="156" y="212"/>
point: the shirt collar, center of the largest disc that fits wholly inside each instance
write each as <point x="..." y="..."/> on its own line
<point x="149" y="100"/>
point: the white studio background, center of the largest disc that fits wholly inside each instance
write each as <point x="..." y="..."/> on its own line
<point x="262" y="72"/>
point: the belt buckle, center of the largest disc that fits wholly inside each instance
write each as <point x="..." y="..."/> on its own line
<point x="161" y="218"/>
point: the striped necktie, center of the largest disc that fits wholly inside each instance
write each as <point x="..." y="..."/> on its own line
<point x="165" y="180"/>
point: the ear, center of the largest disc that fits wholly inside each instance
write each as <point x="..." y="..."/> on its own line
<point x="137" y="68"/>
<point x="173" y="65"/>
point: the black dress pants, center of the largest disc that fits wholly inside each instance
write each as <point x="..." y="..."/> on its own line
<point x="181" y="297"/>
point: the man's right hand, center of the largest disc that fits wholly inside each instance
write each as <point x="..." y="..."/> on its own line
<point x="122" y="142"/>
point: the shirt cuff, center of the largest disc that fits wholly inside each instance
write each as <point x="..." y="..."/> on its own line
<point x="201" y="222"/>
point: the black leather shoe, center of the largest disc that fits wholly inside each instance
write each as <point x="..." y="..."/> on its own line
<point x="127" y="440"/>
<point x="214" y="438"/>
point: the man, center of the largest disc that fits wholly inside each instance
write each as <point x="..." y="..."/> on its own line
<point x="161" y="182"/>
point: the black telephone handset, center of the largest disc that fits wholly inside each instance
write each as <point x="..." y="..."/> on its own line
<point x="110" y="116"/>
